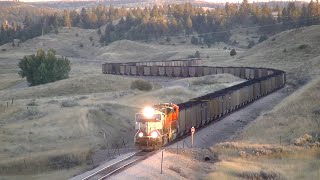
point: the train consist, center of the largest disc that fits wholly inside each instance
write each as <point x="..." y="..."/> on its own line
<point x="199" y="111"/>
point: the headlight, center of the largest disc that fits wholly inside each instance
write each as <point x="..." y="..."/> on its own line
<point x="140" y="134"/>
<point x="154" y="134"/>
<point x="148" y="112"/>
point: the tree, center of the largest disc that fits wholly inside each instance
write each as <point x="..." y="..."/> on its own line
<point x="233" y="52"/>
<point x="42" y="68"/>
<point x="197" y="54"/>
<point x="66" y="19"/>
<point x="188" y="24"/>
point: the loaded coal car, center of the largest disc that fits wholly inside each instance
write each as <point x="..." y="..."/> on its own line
<point x="156" y="126"/>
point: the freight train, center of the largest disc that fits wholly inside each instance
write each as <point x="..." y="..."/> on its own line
<point x="199" y="111"/>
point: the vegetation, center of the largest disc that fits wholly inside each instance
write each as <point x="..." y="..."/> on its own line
<point x="44" y="67"/>
<point x="251" y="44"/>
<point x="195" y="55"/>
<point x="159" y="21"/>
<point x="233" y="52"/>
<point x="263" y="38"/>
<point x="141" y="85"/>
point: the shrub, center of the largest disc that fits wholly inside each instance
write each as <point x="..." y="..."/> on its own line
<point x="13" y="45"/>
<point x="251" y="44"/>
<point x="168" y="39"/>
<point x="64" y="161"/>
<point x="81" y="45"/>
<point x="77" y="34"/>
<point x="273" y="39"/>
<point x="303" y="46"/>
<point x="261" y="175"/>
<point x="44" y="67"/>
<point x="56" y="31"/>
<point x="225" y="48"/>
<point x="195" y="55"/>
<point x="233" y="52"/>
<point x="194" y="40"/>
<point x="3" y="50"/>
<point x="183" y="42"/>
<point x="69" y="103"/>
<point x="263" y="38"/>
<point x="285" y="50"/>
<point x="141" y="85"/>
<point x="91" y="38"/>
<point x="32" y="103"/>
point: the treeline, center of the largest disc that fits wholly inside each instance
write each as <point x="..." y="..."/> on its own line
<point x="212" y="25"/>
<point x="30" y="28"/>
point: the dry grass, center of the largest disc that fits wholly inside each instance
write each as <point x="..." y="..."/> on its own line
<point x="256" y="154"/>
<point x="109" y="105"/>
<point x="299" y="164"/>
<point x="10" y="79"/>
<point x="292" y="118"/>
<point x="75" y="85"/>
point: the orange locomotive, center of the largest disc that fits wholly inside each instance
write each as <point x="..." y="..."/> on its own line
<point x="156" y="126"/>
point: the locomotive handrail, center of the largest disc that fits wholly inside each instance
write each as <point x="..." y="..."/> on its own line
<point x="207" y="108"/>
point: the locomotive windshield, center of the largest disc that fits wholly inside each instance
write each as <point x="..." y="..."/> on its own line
<point x="143" y="118"/>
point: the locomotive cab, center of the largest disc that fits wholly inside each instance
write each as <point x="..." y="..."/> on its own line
<point x="155" y="126"/>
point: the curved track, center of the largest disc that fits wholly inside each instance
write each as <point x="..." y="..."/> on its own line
<point x="201" y="111"/>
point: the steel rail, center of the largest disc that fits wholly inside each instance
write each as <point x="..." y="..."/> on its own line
<point x="107" y="167"/>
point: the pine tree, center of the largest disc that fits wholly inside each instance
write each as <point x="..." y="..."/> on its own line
<point x="66" y="19"/>
<point x="188" y="25"/>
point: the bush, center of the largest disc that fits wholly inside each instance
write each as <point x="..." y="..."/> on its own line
<point x="261" y="175"/>
<point x="251" y="44"/>
<point x="233" y="52"/>
<point x="263" y="38"/>
<point x="81" y="45"/>
<point x="32" y="103"/>
<point x="194" y="40"/>
<point x="141" y="85"/>
<point x="195" y="55"/>
<point x="44" y="67"/>
<point x="91" y="38"/>
<point x="225" y="48"/>
<point x="303" y="46"/>
<point x="56" y="31"/>
<point x="77" y="34"/>
<point x="69" y="103"/>
<point x="168" y="39"/>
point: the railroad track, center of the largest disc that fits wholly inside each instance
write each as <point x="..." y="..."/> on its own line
<point x="119" y="166"/>
<point x="198" y="112"/>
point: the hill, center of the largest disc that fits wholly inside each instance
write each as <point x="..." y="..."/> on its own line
<point x="71" y="119"/>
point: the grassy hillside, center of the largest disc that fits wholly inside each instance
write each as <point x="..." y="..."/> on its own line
<point x="256" y="151"/>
